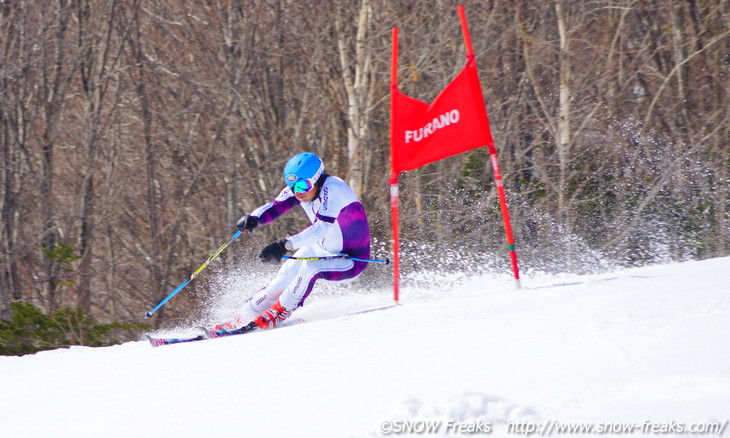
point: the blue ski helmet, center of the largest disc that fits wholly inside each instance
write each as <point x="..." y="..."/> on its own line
<point x="302" y="171"/>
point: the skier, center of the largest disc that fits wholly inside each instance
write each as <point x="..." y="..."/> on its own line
<point x="339" y="227"/>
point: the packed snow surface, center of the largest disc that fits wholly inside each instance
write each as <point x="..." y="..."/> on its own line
<point x="647" y="348"/>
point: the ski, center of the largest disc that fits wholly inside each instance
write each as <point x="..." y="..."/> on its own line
<point x="214" y="333"/>
<point x="207" y="334"/>
<point x="156" y="342"/>
<point x="222" y="332"/>
<point x="219" y="333"/>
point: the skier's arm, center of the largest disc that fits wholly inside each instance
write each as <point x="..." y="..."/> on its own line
<point x="272" y="210"/>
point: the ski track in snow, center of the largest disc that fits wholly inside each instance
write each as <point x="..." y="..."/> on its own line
<point x="635" y="345"/>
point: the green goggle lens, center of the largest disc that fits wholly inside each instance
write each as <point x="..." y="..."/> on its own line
<point x="302" y="186"/>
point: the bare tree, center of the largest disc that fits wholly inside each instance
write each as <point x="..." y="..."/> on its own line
<point x="133" y="134"/>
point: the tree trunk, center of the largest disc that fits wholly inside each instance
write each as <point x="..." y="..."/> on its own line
<point x="358" y="92"/>
<point x="563" y="134"/>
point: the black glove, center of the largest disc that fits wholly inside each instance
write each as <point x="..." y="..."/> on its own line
<point x="247" y="223"/>
<point x="273" y="252"/>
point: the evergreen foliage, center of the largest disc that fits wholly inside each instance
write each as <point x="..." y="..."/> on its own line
<point x="29" y="330"/>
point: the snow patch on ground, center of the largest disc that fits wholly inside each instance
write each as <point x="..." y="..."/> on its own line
<point x="634" y="345"/>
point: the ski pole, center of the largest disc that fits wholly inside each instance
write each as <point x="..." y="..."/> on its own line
<point x="307" y="259"/>
<point x="193" y="275"/>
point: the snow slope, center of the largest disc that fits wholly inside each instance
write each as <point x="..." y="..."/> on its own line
<point x="643" y="347"/>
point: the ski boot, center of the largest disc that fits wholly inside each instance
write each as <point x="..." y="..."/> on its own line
<point x="271" y="318"/>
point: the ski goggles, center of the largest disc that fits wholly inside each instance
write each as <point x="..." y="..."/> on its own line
<point x="301" y="186"/>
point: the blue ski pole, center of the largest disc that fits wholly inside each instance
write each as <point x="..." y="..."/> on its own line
<point x="193" y="275"/>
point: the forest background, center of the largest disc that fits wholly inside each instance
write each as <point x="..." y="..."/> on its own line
<point x="133" y="135"/>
